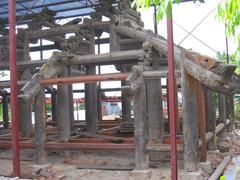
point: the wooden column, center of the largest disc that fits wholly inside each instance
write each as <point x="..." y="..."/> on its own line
<point x="71" y="109"/>
<point x="91" y="103"/>
<point x="211" y="119"/>
<point x="140" y="128"/>
<point x="222" y="114"/>
<point x="230" y="112"/>
<point x="40" y="127"/>
<point x="25" y="109"/>
<point x="99" y="101"/>
<point x="53" y="103"/>
<point x="63" y="110"/>
<point x="190" y="123"/>
<point x="202" y="121"/>
<point x="154" y="108"/>
<point x="5" y="110"/>
<point x="126" y="107"/>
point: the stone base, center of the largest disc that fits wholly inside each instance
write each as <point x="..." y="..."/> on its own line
<point x="140" y="174"/>
<point x="196" y="175"/>
<point x="206" y="167"/>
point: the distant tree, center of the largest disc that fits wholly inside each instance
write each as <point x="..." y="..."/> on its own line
<point x="228" y="13"/>
<point x="233" y="59"/>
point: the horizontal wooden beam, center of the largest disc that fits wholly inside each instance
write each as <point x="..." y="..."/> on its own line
<point x="62" y="30"/>
<point x="85" y="79"/>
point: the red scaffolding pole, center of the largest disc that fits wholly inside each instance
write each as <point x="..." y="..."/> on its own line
<point x="13" y="86"/>
<point x="172" y="97"/>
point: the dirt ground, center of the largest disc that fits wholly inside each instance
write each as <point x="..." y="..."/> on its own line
<point x="77" y="167"/>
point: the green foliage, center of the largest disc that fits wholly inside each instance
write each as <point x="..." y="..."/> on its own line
<point x="232" y="60"/>
<point x="163" y="6"/>
<point x="229" y="13"/>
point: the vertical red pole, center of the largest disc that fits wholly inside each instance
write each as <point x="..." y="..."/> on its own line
<point x="13" y="86"/>
<point x="172" y="97"/>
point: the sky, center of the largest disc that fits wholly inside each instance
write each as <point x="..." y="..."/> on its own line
<point x="187" y="15"/>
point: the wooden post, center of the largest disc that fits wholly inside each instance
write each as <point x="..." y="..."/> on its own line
<point x="91" y="107"/>
<point x="230" y="112"/>
<point x="53" y="103"/>
<point x="190" y="122"/>
<point x="91" y="104"/>
<point x="140" y="128"/>
<point x="63" y="111"/>
<point x="222" y="114"/>
<point x="71" y="109"/>
<point x="126" y="107"/>
<point x="25" y="111"/>
<point x="202" y="121"/>
<point x="40" y="127"/>
<point x="99" y="101"/>
<point x="154" y="108"/>
<point x="5" y="110"/>
<point x="211" y="119"/>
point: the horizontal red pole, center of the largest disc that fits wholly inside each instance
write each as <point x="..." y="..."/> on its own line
<point x="73" y="146"/>
<point x="85" y="79"/>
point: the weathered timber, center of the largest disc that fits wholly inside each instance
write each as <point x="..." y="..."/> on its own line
<point x="230" y="112"/>
<point x="138" y="88"/>
<point x="126" y="106"/>
<point x="65" y="29"/>
<point x="40" y="127"/>
<point x="218" y="67"/>
<point x="5" y="114"/>
<point x="190" y="122"/>
<point x="49" y="70"/>
<point x="217" y="173"/>
<point x="63" y="110"/>
<point x="211" y="119"/>
<point x="25" y="109"/>
<point x="198" y="71"/>
<point x="154" y="108"/>
<point x="91" y="103"/>
<point x="222" y="114"/>
<point x="202" y="120"/>
<point x="163" y="147"/>
<point x="123" y="57"/>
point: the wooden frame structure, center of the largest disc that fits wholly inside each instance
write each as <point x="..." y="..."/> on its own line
<point x="140" y="56"/>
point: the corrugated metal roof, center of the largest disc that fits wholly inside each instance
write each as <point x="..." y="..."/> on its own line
<point x="63" y="8"/>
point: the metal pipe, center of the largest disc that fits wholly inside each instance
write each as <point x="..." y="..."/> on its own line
<point x="14" y="87"/>
<point x="172" y="97"/>
<point x="74" y="146"/>
<point x="85" y="79"/>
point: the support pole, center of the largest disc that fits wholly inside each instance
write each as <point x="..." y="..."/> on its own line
<point x="91" y="103"/>
<point x="211" y="119"/>
<point x="155" y="114"/>
<point x="13" y="87"/>
<point x="5" y="110"/>
<point x="230" y="112"/>
<point x="53" y="103"/>
<point x="25" y="109"/>
<point x="172" y="97"/>
<point x="40" y="127"/>
<point x="222" y="114"/>
<point x="63" y="111"/>
<point x="190" y="122"/>
<point x="202" y="120"/>
<point x="140" y="130"/>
